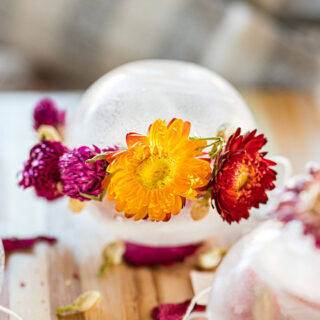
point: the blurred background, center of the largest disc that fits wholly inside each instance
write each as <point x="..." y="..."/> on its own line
<point x="68" y="44"/>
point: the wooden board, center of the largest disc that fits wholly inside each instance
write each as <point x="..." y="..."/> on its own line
<point x="38" y="281"/>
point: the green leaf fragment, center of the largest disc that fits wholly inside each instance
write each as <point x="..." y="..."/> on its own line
<point x="92" y="197"/>
<point x="100" y="156"/>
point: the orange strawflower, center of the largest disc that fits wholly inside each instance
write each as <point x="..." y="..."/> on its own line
<point x="157" y="172"/>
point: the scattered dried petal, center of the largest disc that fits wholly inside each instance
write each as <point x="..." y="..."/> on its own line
<point x="207" y="259"/>
<point x="13" y="244"/>
<point x="83" y="303"/>
<point x="112" y="255"/>
<point x="174" y="311"/>
<point x="140" y="255"/>
<point x="75" y="275"/>
<point x="67" y="283"/>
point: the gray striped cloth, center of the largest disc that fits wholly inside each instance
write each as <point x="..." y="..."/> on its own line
<point x="259" y="42"/>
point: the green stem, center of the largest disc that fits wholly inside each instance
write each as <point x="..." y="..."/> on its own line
<point x="104" y="267"/>
<point x="201" y="139"/>
<point x="64" y="309"/>
<point x="213" y="153"/>
<point x="208" y="145"/>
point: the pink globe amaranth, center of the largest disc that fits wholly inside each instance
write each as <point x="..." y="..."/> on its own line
<point x="79" y="177"/>
<point x="301" y="201"/>
<point x="41" y="169"/>
<point x="47" y="113"/>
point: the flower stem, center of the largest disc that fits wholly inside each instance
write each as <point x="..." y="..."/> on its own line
<point x="104" y="267"/>
<point x="64" y="309"/>
<point x="202" y="139"/>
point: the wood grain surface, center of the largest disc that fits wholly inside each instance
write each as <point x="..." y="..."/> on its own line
<point x="36" y="282"/>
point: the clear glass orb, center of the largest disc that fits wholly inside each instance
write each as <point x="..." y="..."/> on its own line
<point x="129" y="99"/>
<point x="272" y="273"/>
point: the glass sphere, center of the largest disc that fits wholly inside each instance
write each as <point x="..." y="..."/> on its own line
<point x="272" y="273"/>
<point x="129" y="99"/>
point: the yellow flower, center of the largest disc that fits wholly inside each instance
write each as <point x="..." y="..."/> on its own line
<point x="157" y="172"/>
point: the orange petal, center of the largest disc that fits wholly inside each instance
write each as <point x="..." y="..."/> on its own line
<point x="133" y="138"/>
<point x="171" y="122"/>
<point x="186" y="129"/>
<point x="158" y="133"/>
<point x="105" y="182"/>
<point x="113" y="155"/>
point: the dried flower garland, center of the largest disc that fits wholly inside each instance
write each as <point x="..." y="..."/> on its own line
<point x="156" y="173"/>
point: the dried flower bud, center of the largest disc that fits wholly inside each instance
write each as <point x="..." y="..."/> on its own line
<point x="207" y="259"/>
<point x="112" y="255"/>
<point x="76" y="205"/>
<point x="225" y="131"/>
<point x="50" y="133"/>
<point x="200" y="209"/>
<point x="83" y="303"/>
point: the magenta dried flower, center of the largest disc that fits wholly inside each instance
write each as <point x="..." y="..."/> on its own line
<point x="78" y="177"/>
<point x="41" y="169"/>
<point x="47" y="113"/>
<point x="301" y="201"/>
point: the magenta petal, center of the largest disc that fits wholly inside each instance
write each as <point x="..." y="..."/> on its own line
<point x="13" y="244"/>
<point x="174" y="311"/>
<point x="140" y="255"/>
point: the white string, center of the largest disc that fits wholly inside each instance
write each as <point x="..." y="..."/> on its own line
<point x="9" y="312"/>
<point x="194" y="301"/>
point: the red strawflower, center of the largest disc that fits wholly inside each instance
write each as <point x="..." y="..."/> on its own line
<point x="243" y="175"/>
<point x="41" y="169"/>
<point x="47" y="113"/>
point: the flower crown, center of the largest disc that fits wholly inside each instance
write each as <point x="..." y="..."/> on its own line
<point x="156" y="174"/>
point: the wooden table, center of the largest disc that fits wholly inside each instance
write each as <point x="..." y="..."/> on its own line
<point x="39" y="281"/>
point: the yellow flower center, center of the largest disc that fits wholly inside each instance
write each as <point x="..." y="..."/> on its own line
<point x="155" y="172"/>
<point x="242" y="178"/>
